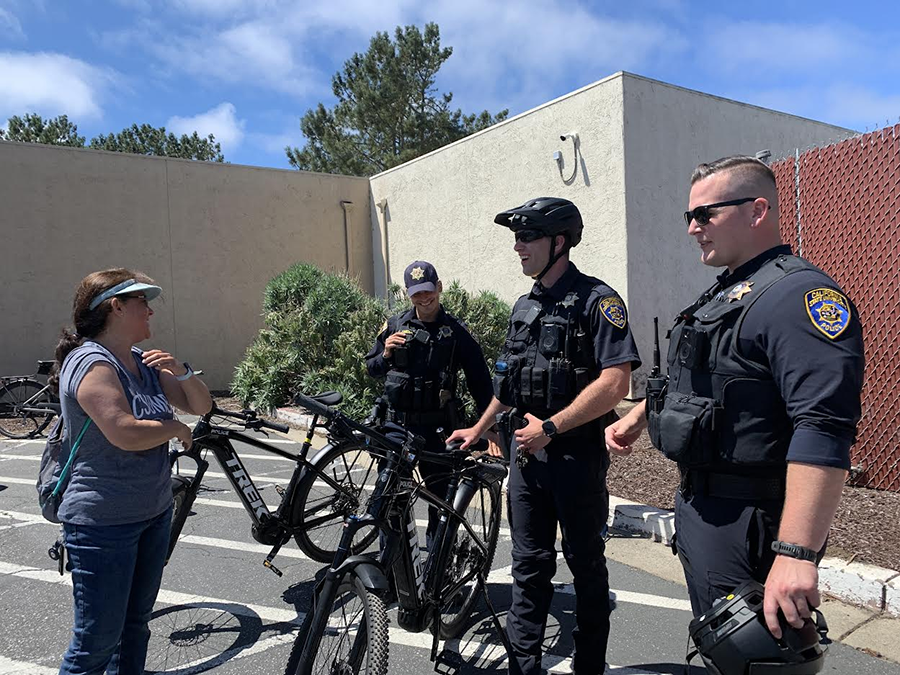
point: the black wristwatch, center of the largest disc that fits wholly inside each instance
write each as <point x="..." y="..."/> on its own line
<point x="794" y="551"/>
<point x="549" y="428"/>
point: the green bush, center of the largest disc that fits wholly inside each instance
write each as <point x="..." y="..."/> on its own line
<point x="319" y="327"/>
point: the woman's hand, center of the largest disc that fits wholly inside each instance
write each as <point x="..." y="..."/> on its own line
<point x="160" y="360"/>
<point x="183" y="434"/>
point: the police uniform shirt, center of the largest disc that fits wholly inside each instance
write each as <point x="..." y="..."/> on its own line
<point x="467" y="355"/>
<point x="604" y="319"/>
<point x="806" y="331"/>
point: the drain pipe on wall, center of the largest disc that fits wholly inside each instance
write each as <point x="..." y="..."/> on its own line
<point x="382" y="207"/>
<point x="346" y="206"/>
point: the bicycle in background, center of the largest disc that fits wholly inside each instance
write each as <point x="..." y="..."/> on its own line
<point x="27" y="404"/>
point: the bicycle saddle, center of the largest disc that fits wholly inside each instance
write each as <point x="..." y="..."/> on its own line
<point x="328" y="398"/>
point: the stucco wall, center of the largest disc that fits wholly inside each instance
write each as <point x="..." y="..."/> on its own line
<point x="212" y="235"/>
<point x="441" y="207"/>
<point x="668" y="131"/>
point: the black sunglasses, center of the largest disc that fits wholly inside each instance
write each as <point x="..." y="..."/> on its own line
<point x="143" y="298"/>
<point x="702" y="215"/>
<point x="528" y="236"/>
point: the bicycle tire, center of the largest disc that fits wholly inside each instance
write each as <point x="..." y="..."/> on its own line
<point x="458" y="557"/>
<point x="180" y="511"/>
<point x="16" y="424"/>
<point x="319" y="510"/>
<point x="322" y="654"/>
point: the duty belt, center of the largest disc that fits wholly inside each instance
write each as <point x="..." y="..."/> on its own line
<point x="732" y="486"/>
<point x="433" y="418"/>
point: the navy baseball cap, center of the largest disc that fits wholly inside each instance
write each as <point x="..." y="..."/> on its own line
<point x="420" y="276"/>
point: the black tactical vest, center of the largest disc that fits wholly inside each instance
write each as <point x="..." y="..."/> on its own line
<point x="548" y="355"/>
<point x="722" y="411"/>
<point x="422" y="379"/>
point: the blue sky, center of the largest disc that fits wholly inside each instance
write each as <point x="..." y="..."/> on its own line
<point x="246" y="70"/>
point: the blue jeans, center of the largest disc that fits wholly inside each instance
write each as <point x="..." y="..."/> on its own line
<point x="116" y="573"/>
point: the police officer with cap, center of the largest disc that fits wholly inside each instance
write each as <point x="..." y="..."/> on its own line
<point x="761" y="404"/>
<point x="566" y="363"/>
<point x="419" y="354"/>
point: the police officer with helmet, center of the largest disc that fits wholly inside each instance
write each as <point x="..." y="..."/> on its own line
<point x="566" y="363"/>
<point x="761" y="404"/>
<point x="419" y="354"/>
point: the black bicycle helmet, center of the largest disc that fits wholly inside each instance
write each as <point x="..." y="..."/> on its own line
<point x="733" y="639"/>
<point x="551" y="215"/>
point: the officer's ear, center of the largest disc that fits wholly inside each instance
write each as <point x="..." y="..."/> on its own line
<point x="440" y="287"/>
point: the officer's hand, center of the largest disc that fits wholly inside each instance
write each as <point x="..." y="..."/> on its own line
<point x="622" y="434"/>
<point x="493" y="439"/>
<point x="793" y="587"/>
<point x="467" y="436"/>
<point x="396" y="340"/>
<point x="532" y="437"/>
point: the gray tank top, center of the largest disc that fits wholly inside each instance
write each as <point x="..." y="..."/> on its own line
<point x="111" y="486"/>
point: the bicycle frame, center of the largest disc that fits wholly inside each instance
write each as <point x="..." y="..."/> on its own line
<point x="267" y="527"/>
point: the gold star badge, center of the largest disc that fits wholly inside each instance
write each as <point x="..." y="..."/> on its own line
<point x="739" y="291"/>
<point x="417" y="273"/>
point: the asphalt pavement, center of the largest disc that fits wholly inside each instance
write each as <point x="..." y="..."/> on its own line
<point x="221" y="611"/>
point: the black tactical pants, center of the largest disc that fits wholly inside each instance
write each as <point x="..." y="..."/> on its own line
<point x="569" y="488"/>
<point x="723" y="543"/>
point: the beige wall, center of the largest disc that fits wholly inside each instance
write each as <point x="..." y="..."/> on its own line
<point x="441" y="207"/>
<point x="212" y="235"/>
<point x="668" y="131"/>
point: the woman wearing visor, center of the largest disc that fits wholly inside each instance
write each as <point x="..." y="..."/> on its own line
<point x="117" y="508"/>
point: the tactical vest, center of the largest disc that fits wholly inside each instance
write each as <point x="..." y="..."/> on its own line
<point x="720" y="410"/>
<point x="422" y="381"/>
<point x="548" y="357"/>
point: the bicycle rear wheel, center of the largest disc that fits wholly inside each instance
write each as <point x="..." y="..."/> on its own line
<point x="15" y="397"/>
<point x="320" y="507"/>
<point x="354" y="639"/>
<point x="461" y="560"/>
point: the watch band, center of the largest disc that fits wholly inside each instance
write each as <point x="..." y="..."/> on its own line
<point x="795" y="551"/>
<point x="549" y="428"/>
<point x="189" y="374"/>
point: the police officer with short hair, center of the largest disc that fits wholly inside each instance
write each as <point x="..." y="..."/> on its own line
<point x="566" y="363"/>
<point x="761" y="404"/>
<point x="419" y="354"/>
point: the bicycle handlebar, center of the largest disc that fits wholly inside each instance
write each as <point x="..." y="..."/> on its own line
<point x="250" y="419"/>
<point x="314" y="406"/>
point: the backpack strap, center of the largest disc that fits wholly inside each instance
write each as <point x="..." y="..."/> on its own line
<point x="68" y="465"/>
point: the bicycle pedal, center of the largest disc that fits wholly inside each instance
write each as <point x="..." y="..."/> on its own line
<point x="448" y="662"/>
<point x="280" y="490"/>
<point x="268" y="564"/>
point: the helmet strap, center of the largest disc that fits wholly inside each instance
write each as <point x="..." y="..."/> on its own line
<point x="554" y="256"/>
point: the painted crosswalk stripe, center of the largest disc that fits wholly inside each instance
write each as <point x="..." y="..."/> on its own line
<point x="10" y="667"/>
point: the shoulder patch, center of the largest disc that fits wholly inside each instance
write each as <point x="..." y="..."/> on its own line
<point x="613" y="310"/>
<point x="828" y="310"/>
<point x="383" y="328"/>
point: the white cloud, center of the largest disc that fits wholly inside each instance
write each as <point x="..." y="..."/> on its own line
<point x="221" y="122"/>
<point x="51" y="84"/>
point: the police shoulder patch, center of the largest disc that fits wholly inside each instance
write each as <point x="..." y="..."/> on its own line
<point x="383" y="328"/>
<point x="828" y="310"/>
<point x="613" y="311"/>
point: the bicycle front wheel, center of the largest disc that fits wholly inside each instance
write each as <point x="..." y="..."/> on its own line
<point x="354" y="640"/>
<point x="18" y="399"/>
<point x="339" y="485"/>
<point x="461" y="561"/>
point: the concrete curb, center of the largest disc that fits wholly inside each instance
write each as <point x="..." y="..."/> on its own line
<point x="874" y="588"/>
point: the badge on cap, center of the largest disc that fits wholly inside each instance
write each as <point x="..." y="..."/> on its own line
<point x="417" y="273"/>
<point x="739" y="291"/>
<point x="614" y="311"/>
<point x="828" y="310"/>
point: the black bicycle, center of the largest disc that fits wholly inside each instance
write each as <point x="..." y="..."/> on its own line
<point x="27" y="405"/>
<point x="321" y="493"/>
<point x="346" y="629"/>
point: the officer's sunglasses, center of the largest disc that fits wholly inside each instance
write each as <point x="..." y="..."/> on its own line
<point x="528" y="236"/>
<point x="702" y="215"/>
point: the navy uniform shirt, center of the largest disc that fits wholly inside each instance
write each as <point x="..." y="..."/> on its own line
<point x="819" y="375"/>
<point x="610" y="333"/>
<point x="467" y="355"/>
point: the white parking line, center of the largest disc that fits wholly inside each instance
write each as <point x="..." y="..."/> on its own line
<point x="10" y="667"/>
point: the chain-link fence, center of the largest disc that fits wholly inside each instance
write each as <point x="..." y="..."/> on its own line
<point x="840" y="209"/>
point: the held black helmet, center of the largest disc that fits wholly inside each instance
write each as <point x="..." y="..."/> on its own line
<point x="733" y="639"/>
<point x="550" y="215"/>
